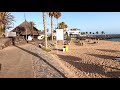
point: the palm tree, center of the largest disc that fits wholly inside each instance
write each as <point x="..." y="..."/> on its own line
<point x="97" y="32"/>
<point x="82" y="33"/>
<point x="90" y="32"/>
<point x="6" y="20"/>
<point x="86" y="32"/>
<point x="66" y="35"/>
<point x="62" y="25"/>
<point x="66" y="26"/>
<point x="44" y="23"/>
<point x="102" y="32"/>
<point x="57" y="16"/>
<point x="51" y="14"/>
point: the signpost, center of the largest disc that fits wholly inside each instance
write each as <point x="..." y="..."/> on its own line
<point x="59" y="36"/>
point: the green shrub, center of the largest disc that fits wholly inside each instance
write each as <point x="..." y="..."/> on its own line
<point x="68" y="38"/>
<point x="47" y="50"/>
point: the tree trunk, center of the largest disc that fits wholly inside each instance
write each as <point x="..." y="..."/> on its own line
<point x="26" y="30"/>
<point x="52" y="28"/>
<point x="57" y="24"/>
<point x="32" y="32"/>
<point x="3" y="30"/>
<point x="44" y="23"/>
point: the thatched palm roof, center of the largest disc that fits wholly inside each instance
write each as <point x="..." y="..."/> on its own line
<point x="26" y="27"/>
<point x="74" y="29"/>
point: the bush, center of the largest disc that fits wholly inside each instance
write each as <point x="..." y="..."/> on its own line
<point x="47" y="50"/>
<point x="68" y="38"/>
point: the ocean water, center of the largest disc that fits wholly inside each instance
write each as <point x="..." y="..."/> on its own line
<point x="114" y="39"/>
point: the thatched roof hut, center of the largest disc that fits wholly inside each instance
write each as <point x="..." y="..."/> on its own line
<point x="26" y="28"/>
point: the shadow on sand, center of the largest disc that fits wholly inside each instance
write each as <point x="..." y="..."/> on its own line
<point x="36" y="55"/>
<point x="106" y="50"/>
<point x="89" y="68"/>
<point x="58" y="49"/>
<point x="102" y="56"/>
<point x="92" y="43"/>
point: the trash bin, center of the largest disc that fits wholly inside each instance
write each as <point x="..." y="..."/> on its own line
<point x="66" y="48"/>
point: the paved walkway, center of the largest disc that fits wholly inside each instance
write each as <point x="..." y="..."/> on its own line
<point x="29" y="61"/>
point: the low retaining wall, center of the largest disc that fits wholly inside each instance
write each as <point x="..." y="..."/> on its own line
<point x="4" y="42"/>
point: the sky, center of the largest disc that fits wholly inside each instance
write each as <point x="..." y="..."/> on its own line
<point x="109" y="22"/>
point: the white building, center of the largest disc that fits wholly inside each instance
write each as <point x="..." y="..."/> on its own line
<point x="73" y="32"/>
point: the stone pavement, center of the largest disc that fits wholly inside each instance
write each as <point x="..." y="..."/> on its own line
<point x="29" y="61"/>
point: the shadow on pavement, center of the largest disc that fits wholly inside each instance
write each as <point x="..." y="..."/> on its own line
<point x="43" y="60"/>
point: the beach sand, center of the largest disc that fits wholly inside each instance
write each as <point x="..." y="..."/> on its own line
<point x="87" y="61"/>
<point x="91" y="60"/>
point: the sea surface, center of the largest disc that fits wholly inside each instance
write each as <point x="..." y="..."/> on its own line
<point x="114" y="39"/>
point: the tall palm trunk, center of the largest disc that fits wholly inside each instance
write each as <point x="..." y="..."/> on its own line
<point x="57" y="24"/>
<point x="3" y="29"/>
<point x="3" y="24"/>
<point x="44" y="23"/>
<point x="52" y="27"/>
<point x="32" y="31"/>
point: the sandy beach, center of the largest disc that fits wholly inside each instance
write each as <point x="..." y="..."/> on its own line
<point x="87" y="61"/>
<point x="91" y="60"/>
<point x="59" y="45"/>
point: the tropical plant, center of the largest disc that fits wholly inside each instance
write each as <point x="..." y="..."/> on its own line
<point x="81" y="33"/>
<point x="6" y="21"/>
<point x="52" y="14"/>
<point x="86" y="32"/>
<point x="102" y="32"/>
<point x="44" y="25"/>
<point x="68" y="38"/>
<point x="97" y="32"/>
<point x="90" y="32"/>
<point x="57" y="16"/>
<point x="66" y="35"/>
<point x="63" y="26"/>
